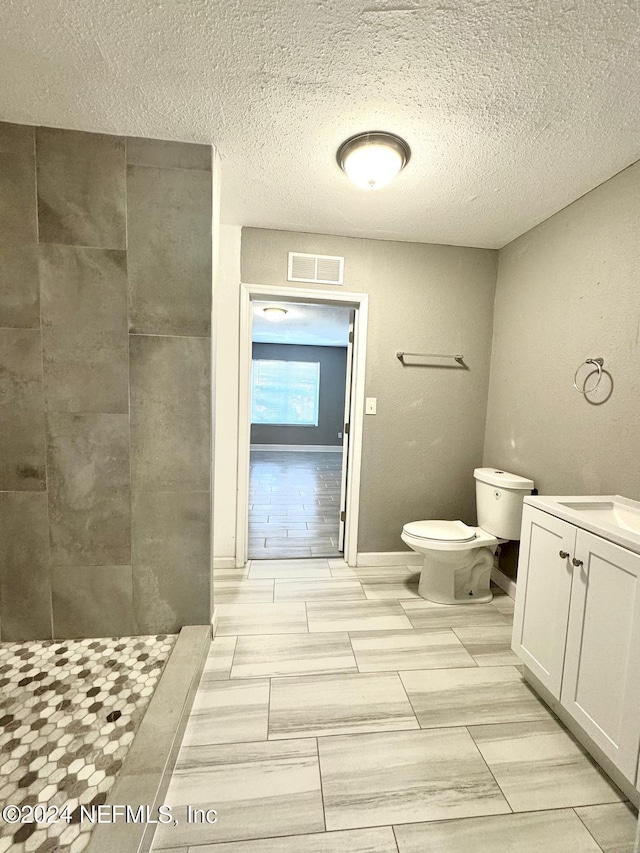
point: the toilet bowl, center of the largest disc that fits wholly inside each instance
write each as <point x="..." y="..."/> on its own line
<point x="457" y="559"/>
<point x="457" y="562"/>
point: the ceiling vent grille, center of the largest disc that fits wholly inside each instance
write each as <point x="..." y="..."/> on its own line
<point x="319" y="269"/>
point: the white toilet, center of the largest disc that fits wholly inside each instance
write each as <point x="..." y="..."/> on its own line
<point x="458" y="559"/>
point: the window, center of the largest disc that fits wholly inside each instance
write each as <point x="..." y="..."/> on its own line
<point x="285" y="392"/>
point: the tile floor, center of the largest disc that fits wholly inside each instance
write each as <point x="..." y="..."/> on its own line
<point x="69" y="710"/>
<point x="294" y="504"/>
<point x="371" y="721"/>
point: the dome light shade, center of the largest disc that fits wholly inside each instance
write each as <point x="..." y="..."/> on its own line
<point x="372" y="160"/>
<point x="275" y="313"/>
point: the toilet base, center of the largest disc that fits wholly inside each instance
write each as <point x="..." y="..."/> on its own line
<point x="457" y="577"/>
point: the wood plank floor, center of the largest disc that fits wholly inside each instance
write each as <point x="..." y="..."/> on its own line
<point x="294" y="504"/>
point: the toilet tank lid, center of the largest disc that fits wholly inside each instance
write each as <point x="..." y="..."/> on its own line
<point x="496" y="477"/>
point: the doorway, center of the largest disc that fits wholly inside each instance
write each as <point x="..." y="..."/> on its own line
<point x="301" y="402"/>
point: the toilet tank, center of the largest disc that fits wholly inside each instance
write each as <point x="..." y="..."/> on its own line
<point x="499" y="499"/>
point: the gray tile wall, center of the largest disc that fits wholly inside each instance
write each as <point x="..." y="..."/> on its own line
<point x="105" y="409"/>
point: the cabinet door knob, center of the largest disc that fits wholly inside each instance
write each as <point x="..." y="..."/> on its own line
<point x="564" y="554"/>
<point x="577" y="562"/>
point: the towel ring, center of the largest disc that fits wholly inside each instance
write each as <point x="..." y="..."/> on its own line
<point x="599" y="362"/>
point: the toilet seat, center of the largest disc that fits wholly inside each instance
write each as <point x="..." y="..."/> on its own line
<point x="441" y="531"/>
<point x="474" y="537"/>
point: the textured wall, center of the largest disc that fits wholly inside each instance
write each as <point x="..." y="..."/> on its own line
<point x="333" y="367"/>
<point x="568" y="290"/>
<point x="105" y="300"/>
<point x="420" y="449"/>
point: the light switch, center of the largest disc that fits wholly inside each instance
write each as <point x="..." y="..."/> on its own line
<point x="371" y="404"/>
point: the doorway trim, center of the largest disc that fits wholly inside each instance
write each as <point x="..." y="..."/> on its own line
<point x="360" y="303"/>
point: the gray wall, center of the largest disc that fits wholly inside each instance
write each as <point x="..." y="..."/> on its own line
<point x="567" y="290"/>
<point x="419" y="451"/>
<point x="333" y="366"/>
<point x="105" y="289"/>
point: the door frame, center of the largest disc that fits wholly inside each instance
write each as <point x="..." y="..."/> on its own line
<point x="348" y="390"/>
<point x="360" y="303"/>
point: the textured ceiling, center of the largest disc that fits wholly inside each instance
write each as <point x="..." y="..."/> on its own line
<point x="512" y="108"/>
<point x="315" y="325"/>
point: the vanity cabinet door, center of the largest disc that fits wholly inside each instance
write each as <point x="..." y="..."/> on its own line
<point x="601" y="686"/>
<point x="543" y="595"/>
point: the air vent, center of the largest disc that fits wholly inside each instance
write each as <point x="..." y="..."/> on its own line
<point x="320" y="269"/>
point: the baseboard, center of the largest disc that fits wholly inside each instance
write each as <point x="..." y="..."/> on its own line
<point x="306" y="448"/>
<point x="388" y="558"/>
<point x="505" y="583"/>
<point x="224" y="562"/>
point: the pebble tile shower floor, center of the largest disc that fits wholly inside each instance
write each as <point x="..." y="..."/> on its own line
<point x="69" y="710"/>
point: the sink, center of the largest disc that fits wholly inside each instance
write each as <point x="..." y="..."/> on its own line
<point x="612" y="517"/>
<point x="610" y="512"/>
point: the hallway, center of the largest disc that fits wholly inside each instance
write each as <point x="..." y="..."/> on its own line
<point x="294" y="504"/>
<point x="339" y="711"/>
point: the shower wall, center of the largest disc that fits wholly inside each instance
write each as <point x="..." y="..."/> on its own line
<point x="105" y="415"/>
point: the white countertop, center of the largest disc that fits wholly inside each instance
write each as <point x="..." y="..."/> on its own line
<point x="612" y="517"/>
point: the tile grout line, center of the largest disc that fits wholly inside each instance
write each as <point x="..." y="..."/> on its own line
<point x="82" y="246"/>
<point x="353" y="652"/>
<point x="324" y="811"/>
<point x="574" y="810"/>
<point x="134" y="592"/>
<point x="233" y="657"/>
<point x="269" y="709"/>
<point x="298" y="735"/>
<point x="465" y="648"/>
<point x="45" y="448"/>
<point x="486" y="763"/>
<point x="155" y="335"/>
<point x="505" y="816"/>
<point x="195" y="848"/>
<point x="20" y="328"/>
<point x="156" y="165"/>
<point x="406" y="693"/>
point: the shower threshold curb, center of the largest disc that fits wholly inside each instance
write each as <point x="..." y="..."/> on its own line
<point x="147" y="768"/>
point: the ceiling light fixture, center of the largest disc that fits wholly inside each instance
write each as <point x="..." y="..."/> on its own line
<point x="373" y="159"/>
<point x="274" y="313"/>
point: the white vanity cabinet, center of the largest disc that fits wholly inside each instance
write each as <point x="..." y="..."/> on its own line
<point x="601" y="681"/>
<point x="577" y="629"/>
<point x="543" y="595"/>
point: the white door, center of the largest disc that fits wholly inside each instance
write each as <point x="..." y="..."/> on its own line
<point x="601" y="686"/>
<point x="345" y="432"/>
<point x="543" y="595"/>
